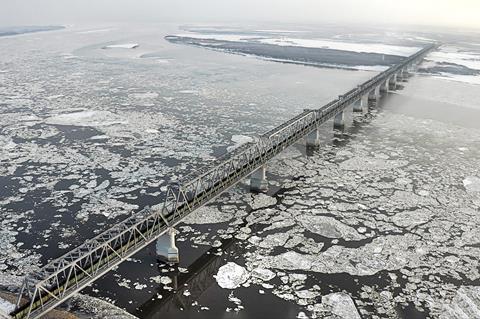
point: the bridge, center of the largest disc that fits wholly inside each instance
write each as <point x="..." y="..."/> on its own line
<point x="61" y="278"/>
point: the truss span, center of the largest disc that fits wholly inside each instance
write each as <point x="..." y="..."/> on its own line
<point x="58" y="280"/>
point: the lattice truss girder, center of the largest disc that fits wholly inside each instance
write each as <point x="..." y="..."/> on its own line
<point x="60" y="278"/>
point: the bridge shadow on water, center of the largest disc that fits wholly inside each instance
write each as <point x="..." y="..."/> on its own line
<point x="198" y="284"/>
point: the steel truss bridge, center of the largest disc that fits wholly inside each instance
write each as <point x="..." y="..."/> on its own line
<point x="58" y="280"/>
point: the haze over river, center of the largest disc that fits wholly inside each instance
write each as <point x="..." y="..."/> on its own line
<point x="382" y="221"/>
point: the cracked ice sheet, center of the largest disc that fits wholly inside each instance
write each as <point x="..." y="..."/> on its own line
<point x="212" y="215"/>
<point x="419" y="212"/>
<point x="465" y="304"/>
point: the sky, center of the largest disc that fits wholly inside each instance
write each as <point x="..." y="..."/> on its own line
<point x="446" y="13"/>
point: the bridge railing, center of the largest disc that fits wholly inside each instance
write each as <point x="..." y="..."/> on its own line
<point x="73" y="271"/>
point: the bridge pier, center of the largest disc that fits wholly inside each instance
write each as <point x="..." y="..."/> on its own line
<point x="258" y="180"/>
<point x="384" y="86"/>
<point x="313" y="139"/>
<point x="374" y="96"/>
<point x="166" y="247"/>
<point x="361" y="105"/>
<point x="393" y="82"/>
<point x="339" y="120"/>
<point x="403" y="75"/>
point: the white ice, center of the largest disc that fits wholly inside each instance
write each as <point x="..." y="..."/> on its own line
<point x="208" y="215"/>
<point x="122" y="46"/>
<point x="86" y="118"/>
<point x="344" y="46"/>
<point x="328" y="227"/>
<point x="472" y="184"/>
<point x="6" y="306"/>
<point x="219" y="37"/>
<point x="231" y="276"/>
<point x="450" y="54"/>
<point x="465" y="304"/>
<point x="239" y="140"/>
<point x="341" y="305"/>
<point x="311" y="43"/>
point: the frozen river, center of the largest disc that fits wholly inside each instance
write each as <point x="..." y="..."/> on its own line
<point x="383" y="220"/>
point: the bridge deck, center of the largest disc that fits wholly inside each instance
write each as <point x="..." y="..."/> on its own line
<point x="62" y="277"/>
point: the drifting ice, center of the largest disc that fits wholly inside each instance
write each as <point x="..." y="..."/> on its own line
<point x="231" y="276"/>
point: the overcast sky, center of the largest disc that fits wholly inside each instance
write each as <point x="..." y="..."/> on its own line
<point x="456" y="13"/>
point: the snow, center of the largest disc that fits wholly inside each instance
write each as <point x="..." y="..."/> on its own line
<point x="455" y="55"/>
<point x="344" y="46"/>
<point x="458" y="56"/>
<point x="310" y="43"/>
<point x="122" y="46"/>
<point x="231" y="276"/>
<point x="218" y="37"/>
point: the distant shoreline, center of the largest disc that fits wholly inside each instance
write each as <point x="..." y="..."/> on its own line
<point x="13" y="31"/>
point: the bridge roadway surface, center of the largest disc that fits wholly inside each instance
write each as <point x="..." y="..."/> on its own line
<point x="61" y="278"/>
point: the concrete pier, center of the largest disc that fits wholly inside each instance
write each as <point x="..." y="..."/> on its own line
<point x="403" y="75"/>
<point x="166" y="247"/>
<point x="312" y="139"/>
<point x="393" y="82"/>
<point x="339" y="120"/>
<point x="258" y="180"/>
<point x="384" y="86"/>
<point x="374" y="95"/>
<point x="361" y="105"/>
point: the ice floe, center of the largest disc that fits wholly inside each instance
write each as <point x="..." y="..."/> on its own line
<point x="122" y="46"/>
<point x="340" y="305"/>
<point x="328" y="227"/>
<point x="231" y="275"/>
<point x="239" y="140"/>
<point x="465" y="304"/>
<point x="86" y="118"/>
<point x="412" y="218"/>
<point x="208" y="215"/>
<point x="6" y="307"/>
<point x="261" y="200"/>
<point x="472" y="184"/>
<point x="98" y="308"/>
